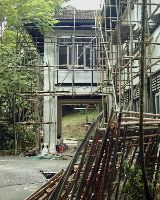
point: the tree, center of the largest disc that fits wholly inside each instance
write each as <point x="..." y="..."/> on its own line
<point x="17" y="11"/>
<point x="16" y="49"/>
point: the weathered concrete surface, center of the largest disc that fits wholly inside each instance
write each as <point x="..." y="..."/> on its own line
<point x="20" y="176"/>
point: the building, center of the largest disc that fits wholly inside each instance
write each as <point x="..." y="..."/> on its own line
<point x="94" y="58"/>
<point x="121" y="27"/>
<point x="71" y="76"/>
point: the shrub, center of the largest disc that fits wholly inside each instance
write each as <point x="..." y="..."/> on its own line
<point x="133" y="188"/>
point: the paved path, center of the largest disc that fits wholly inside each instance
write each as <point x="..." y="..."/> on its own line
<point x="20" y="176"/>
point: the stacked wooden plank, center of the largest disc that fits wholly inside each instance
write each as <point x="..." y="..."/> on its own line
<point x="97" y="169"/>
<point x="46" y="189"/>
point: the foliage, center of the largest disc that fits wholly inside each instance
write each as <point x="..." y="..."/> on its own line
<point x="39" y="12"/>
<point x="73" y="124"/>
<point x="6" y="137"/>
<point x="12" y="78"/>
<point x="17" y="50"/>
<point x="157" y="189"/>
<point x="134" y="188"/>
<point x="26" y="138"/>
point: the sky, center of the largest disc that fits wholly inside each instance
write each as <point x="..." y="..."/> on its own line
<point x="86" y="4"/>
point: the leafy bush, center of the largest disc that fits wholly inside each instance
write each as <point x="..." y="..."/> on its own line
<point x="134" y="188"/>
<point x="26" y="138"/>
<point x="6" y="137"/>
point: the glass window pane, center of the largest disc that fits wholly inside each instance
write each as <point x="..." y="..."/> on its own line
<point x="88" y="57"/>
<point x="62" y="55"/>
<point x="157" y="104"/>
<point x="80" y="55"/>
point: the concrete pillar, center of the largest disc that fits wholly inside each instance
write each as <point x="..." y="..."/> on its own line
<point x="59" y="120"/>
<point x="50" y="102"/>
<point x="109" y="101"/>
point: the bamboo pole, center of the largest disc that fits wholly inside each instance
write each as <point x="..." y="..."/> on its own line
<point x="137" y="119"/>
<point x="44" y="187"/>
<point x="61" y="185"/>
<point x="155" y="123"/>
<point x="137" y="113"/>
<point x="114" y="159"/>
<point x="142" y="90"/>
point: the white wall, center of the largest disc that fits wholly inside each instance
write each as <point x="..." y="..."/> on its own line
<point x="50" y="102"/>
<point x="155" y="50"/>
<point x="51" y="113"/>
<point x="135" y="15"/>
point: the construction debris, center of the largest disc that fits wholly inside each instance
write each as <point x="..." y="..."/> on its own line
<point x="97" y="169"/>
<point x="48" y="175"/>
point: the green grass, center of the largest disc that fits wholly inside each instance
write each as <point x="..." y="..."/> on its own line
<point x="73" y="124"/>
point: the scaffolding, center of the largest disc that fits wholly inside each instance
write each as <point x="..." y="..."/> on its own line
<point x="100" y="59"/>
<point x="119" y="27"/>
<point x="55" y="66"/>
<point x="108" y="58"/>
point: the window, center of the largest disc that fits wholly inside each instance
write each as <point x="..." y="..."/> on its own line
<point x="87" y="54"/>
<point x="79" y="53"/>
<point x="62" y="55"/>
<point x="70" y="57"/>
<point x="157" y="103"/>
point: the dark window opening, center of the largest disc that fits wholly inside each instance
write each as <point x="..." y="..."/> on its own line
<point x="88" y="57"/>
<point x="80" y="55"/>
<point x="157" y="104"/>
<point x="62" y="55"/>
<point x="70" y="55"/>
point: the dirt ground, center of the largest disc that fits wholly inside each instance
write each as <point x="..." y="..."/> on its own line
<point x="20" y="176"/>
